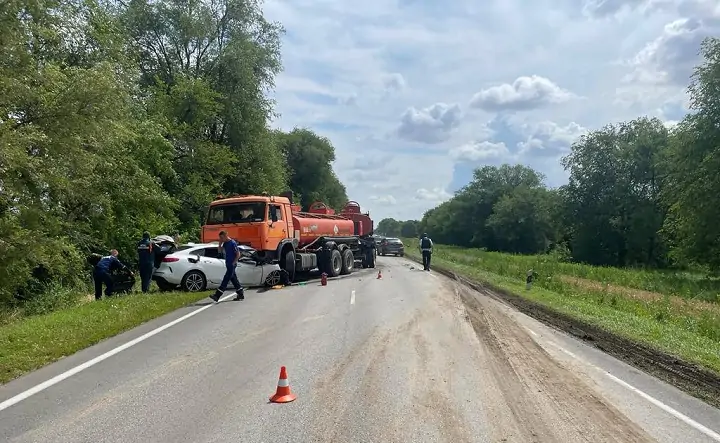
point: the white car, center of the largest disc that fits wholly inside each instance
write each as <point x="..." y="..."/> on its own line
<point x="200" y="267"/>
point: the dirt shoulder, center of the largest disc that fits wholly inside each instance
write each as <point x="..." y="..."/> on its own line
<point x="688" y="377"/>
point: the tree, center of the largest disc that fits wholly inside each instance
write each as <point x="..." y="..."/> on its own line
<point x="388" y="227"/>
<point x="72" y="177"/>
<point x="693" y="187"/>
<point x="309" y="158"/>
<point x="205" y="67"/>
<point x="521" y="221"/>
<point x="409" y="229"/>
<point x="613" y="196"/>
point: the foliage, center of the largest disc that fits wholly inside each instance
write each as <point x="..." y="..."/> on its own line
<point x="638" y="195"/>
<point x="309" y="158"/>
<point x="118" y="117"/>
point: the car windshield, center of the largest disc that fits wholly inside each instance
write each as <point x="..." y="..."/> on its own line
<point x="184" y="247"/>
<point x="395" y="241"/>
<point x="237" y="213"/>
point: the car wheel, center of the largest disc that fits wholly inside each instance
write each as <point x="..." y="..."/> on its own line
<point x="348" y="262"/>
<point x="274" y="278"/>
<point x="193" y="281"/>
<point x="335" y="265"/>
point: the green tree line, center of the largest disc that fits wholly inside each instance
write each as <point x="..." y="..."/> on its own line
<point x="119" y="116"/>
<point x="639" y="194"/>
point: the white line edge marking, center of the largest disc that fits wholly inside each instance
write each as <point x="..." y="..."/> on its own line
<point x="70" y="372"/>
<point x="679" y="415"/>
<point x="352" y="298"/>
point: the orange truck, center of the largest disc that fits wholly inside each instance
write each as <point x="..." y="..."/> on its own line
<point x="298" y="241"/>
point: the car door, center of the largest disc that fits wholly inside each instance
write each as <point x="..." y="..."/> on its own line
<point x="248" y="272"/>
<point x="212" y="265"/>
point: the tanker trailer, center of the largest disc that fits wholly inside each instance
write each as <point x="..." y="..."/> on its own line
<point x="298" y="241"/>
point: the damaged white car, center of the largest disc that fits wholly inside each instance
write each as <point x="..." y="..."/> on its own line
<point x="197" y="267"/>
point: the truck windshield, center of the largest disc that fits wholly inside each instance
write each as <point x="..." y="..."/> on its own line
<point x="244" y="212"/>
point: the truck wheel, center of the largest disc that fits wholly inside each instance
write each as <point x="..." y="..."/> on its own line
<point x="348" y="262"/>
<point x="335" y="265"/>
<point x="288" y="264"/>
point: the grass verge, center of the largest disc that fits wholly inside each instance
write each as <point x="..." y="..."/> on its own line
<point x="30" y="343"/>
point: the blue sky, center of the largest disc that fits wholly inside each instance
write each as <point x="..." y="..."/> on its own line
<point x="415" y="94"/>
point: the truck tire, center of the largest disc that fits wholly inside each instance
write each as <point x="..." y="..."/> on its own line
<point x="335" y="264"/>
<point x="348" y="262"/>
<point x="288" y="264"/>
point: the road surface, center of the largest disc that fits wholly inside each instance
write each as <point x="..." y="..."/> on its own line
<point x="399" y="359"/>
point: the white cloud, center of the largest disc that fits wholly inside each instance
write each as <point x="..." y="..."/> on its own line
<point x="411" y="107"/>
<point x="433" y="124"/>
<point x="436" y="195"/>
<point x="384" y="199"/>
<point x="480" y="151"/>
<point x="394" y="82"/>
<point x="673" y="55"/>
<point x="523" y="94"/>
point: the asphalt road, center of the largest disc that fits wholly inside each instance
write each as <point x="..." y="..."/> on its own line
<point x="399" y="359"/>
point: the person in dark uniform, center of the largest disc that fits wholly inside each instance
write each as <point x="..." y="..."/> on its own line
<point x="426" y="246"/>
<point x="102" y="273"/>
<point x="146" y="261"/>
<point x="232" y="255"/>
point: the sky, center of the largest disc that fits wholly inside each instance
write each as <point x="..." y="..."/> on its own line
<point x="416" y="94"/>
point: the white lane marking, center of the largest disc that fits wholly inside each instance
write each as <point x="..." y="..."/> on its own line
<point x="69" y="373"/>
<point x="352" y="298"/>
<point x="679" y="415"/>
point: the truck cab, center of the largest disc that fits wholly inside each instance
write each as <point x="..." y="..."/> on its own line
<point x="261" y="222"/>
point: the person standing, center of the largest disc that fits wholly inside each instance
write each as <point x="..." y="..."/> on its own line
<point x="103" y="273"/>
<point x="146" y="261"/>
<point x="232" y="255"/>
<point x="426" y="247"/>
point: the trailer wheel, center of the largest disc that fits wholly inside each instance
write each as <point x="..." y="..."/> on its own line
<point x="335" y="265"/>
<point x="348" y="262"/>
<point x="288" y="264"/>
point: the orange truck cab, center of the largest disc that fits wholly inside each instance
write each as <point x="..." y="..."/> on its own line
<point x="298" y="241"/>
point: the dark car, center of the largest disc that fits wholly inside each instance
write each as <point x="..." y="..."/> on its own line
<point x="392" y="246"/>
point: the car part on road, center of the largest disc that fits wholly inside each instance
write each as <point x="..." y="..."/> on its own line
<point x="194" y="281"/>
<point x="283" y="393"/>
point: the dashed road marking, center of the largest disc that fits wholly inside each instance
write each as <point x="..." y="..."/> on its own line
<point x="352" y="298"/>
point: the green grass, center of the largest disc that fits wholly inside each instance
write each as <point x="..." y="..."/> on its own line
<point x="674" y="312"/>
<point x="31" y="342"/>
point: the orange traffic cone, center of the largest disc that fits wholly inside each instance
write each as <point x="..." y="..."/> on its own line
<point x="283" y="394"/>
<point x="379" y="275"/>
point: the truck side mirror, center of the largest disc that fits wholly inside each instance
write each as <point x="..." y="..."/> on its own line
<point x="273" y="214"/>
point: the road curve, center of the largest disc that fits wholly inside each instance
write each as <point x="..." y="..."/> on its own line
<point x="411" y="357"/>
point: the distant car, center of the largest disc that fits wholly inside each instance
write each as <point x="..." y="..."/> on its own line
<point x="200" y="267"/>
<point x="392" y="246"/>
